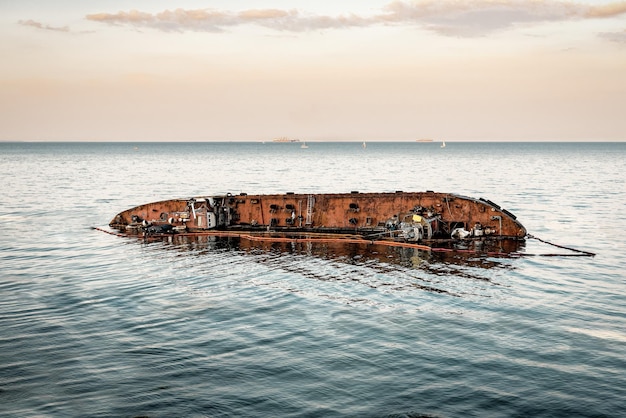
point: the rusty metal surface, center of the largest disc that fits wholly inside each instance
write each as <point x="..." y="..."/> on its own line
<point x="359" y="213"/>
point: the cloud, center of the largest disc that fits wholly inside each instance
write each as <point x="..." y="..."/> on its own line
<point x="40" y="25"/>
<point x="209" y="20"/>
<point x="449" y="18"/>
<point x="479" y="17"/>
<point x="607" y="10"/>
<point x="619" y="37"/>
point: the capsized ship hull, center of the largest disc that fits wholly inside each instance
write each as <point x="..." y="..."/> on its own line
<point x="397" y="216"/>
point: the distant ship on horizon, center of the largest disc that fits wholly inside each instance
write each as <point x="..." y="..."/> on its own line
<point x="285" y="139"/>
<point x="424" y="140"/>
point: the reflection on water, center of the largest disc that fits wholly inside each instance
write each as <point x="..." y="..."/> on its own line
<point x="457" y="270"/>
<point x="481" y="254"/>
<point x="354" y="273"/>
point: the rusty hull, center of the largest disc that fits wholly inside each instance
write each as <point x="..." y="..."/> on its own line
<point x="433" y="216"/>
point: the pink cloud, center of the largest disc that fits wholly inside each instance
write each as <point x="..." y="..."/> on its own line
<point x="40" y="25"/>
<point x="457" y="18"/>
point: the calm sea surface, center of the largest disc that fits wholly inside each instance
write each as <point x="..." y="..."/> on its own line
<point x="92" y="324"/>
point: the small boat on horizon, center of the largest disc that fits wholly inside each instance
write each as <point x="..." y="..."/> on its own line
<point x="443" y="144"/>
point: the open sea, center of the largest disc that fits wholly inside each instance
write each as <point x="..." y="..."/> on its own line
<point x="97" y="325"/>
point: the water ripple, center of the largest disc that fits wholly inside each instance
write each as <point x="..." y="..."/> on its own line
<point x="97" y="325"/>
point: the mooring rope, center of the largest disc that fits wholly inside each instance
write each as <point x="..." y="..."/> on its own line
<point x="350" y="239"/>
<point x="579" y="253"/>
<point x="117" y="234"/>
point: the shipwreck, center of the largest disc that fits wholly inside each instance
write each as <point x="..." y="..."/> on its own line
<point x="404" y="218"/>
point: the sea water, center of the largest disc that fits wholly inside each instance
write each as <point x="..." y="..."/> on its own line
<point x="93" y="324"/>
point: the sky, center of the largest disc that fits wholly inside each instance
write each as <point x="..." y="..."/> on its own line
<point x="367" y="70"/>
